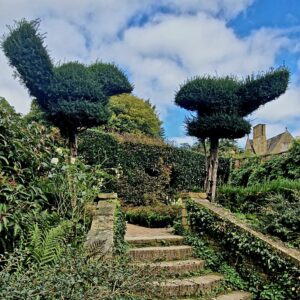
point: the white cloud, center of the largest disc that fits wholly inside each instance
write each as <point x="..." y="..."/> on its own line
<point x="178" y="140"/>
<point x="11" y="89"/>
<point x="161" y="55"/>
<point x="225" y="8"/>
<point x="283" y="109"/>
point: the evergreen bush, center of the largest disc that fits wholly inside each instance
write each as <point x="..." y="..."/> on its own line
<point x="149" y="170"/>
<point x="153" y="216"/>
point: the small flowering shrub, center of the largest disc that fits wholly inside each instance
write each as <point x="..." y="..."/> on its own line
<point x="25" y="150"/>
<point x="37" y="176"/>
<point x="69" y="184"/>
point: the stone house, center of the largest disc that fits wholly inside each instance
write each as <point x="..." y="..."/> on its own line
<point x="260" y="145"/>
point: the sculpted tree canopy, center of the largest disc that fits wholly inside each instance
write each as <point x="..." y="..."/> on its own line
<point x="130" y="114"/>
<point x="220" y="105"/>
<point x="73" y="96"/>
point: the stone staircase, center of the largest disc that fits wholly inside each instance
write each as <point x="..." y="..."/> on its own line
<point x="166" y="253"/>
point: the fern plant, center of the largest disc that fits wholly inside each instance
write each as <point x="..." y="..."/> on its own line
<point x="46" y="246"/>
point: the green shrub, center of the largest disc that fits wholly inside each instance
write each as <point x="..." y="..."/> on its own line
<point x="75" y="277"/>
<point x="25" y="154"/>
<point x="293" y="160"/>
<point x="272" y="207"/>
<point x="280" y="218"/>
<point x="150" y="170"/>
<point x="153" y="216"/>
<point x="253" y="170"/>
<point x="252" y="198"/>
<point x="37" y="180"/>
<point x="68" y="186"/>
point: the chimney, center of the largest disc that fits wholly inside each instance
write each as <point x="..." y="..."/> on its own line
<point x="259" y="131"/>
<point x="260" y="139"/>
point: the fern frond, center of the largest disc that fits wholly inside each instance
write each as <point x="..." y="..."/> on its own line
<point x="48" y="246"/>
<point x="36" y="241"/>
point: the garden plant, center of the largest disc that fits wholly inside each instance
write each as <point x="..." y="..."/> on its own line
<point x="73" y="96"/>
<point x="221" y="105"/>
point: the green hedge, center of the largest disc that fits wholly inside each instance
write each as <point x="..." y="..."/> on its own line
<point x="153" y="216"/>
<point x="253" y="198"/>
<point x="150" y="170"/>
<point x="272" y="207"/>
<point x="276" y="277"/>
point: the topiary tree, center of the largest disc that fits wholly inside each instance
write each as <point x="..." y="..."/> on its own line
<point x="221" y="104"/>
<point x="73" y="96"/>
<point x="131" y="114"/>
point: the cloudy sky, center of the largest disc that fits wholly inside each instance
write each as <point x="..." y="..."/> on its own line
<point x="161" y="43"/>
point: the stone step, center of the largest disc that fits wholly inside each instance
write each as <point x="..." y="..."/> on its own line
<point x="151" y="241"/>
<point x="176" y="267"/>
<point x="238" y="295"/>
<point x="193" y="286"/>
<point x="161" y="253"/>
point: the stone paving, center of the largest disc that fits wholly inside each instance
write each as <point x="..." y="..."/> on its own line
<point x="138" y="231"/>
<point x="161" y="250"/>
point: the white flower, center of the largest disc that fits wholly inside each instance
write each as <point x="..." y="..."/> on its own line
<point x="59" y="151"/>
<point x="72" y="160"/>
<point x="54" y="161"/>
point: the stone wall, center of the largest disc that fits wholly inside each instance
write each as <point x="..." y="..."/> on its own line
<point x="100" y="238"/>
<point x="292" y="255"/>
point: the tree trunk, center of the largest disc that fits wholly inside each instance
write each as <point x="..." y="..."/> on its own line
<point x="73" y="144"/>
<point x="206" y="162"/>
<point x="213" y="162"/>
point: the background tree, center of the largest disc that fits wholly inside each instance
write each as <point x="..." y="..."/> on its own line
<point x="227" y="147"/>
<point x="131" y="114"/>
<point x="73" y="96"/>
<point x="221" y="104"/>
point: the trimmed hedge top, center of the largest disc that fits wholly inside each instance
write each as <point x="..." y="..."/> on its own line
<point x="150" y="170"/>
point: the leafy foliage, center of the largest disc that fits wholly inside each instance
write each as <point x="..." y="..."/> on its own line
<point x="148" y="170"/>
<point x="24" y="149"/>
<point x="153" y="216"/>
<point x="46" y="247"/>
<point x="281" y="276"/>
<point x="75" y="277"/>
<point x="272" y="207"/>
<point x="69" y="186"/>
<point x="253" y="170"/>
<point x="266" y="194"/>
<point x="36" y="114"/>
<point x="119" y="231"/>
<point x="72" y="95"/>
<point x="221" y="105"/>
<point x="38" y="184"/>
<point x="131" y="114"/>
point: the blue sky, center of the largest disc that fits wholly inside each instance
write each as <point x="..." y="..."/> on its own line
<point x="161" y="43"/>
